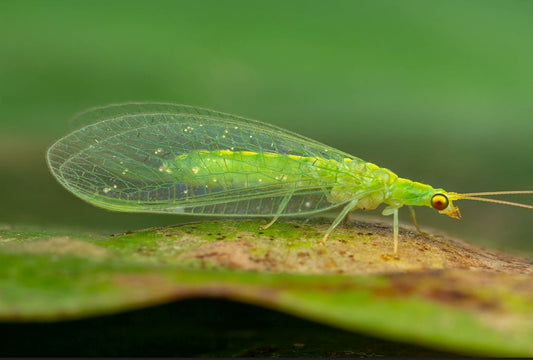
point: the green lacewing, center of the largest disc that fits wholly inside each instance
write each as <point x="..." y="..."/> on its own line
<point x="166" y="158"/>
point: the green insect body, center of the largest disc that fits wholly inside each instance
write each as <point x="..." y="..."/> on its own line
<point x="166" y="158"/>
<point x="224" y="169"/>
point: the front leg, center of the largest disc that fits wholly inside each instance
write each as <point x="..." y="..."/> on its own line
<point x="413" y="217"/>
<point x="393" y="211"/>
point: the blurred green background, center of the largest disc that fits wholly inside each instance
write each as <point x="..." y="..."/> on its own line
<point x="437" y="91"/>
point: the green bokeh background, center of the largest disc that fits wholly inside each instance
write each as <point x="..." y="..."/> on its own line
<point x="437" y="91"/>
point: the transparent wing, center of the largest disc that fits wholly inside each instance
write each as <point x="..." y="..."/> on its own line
<point x="115" y="160"/>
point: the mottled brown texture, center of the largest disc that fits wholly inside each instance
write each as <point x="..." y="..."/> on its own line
<point x="358" y="248"/>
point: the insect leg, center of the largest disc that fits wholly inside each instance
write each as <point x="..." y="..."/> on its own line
<point x="395" y="225"/>
<point x="339" y="218"/>
<point x="281" y="207"/>
<point x="345" y="220"/>
<point x="264" y="227"/>
<point x="393" y="211"/>
<point x="413" y="217"/>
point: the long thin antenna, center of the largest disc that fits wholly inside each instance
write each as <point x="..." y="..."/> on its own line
<point x="489" y="193"/>
<point x="494" y="201"/>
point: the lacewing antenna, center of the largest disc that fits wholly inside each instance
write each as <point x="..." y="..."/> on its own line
<point x="478" y="197"/>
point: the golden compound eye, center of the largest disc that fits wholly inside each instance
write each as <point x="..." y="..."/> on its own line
<point x="439" y="201"/>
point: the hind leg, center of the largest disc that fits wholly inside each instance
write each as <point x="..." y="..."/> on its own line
<point x="281" y="207"/>
<point x="339" y="218"/>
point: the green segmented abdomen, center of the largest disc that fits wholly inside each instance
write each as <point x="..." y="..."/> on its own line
<point x="246" y="169"/>
<point x="223" y="169"/>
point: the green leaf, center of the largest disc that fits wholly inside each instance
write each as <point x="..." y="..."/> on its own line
<point x="439" y="292"/>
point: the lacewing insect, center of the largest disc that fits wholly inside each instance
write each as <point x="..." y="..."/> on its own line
<point x="165" y="158"/>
